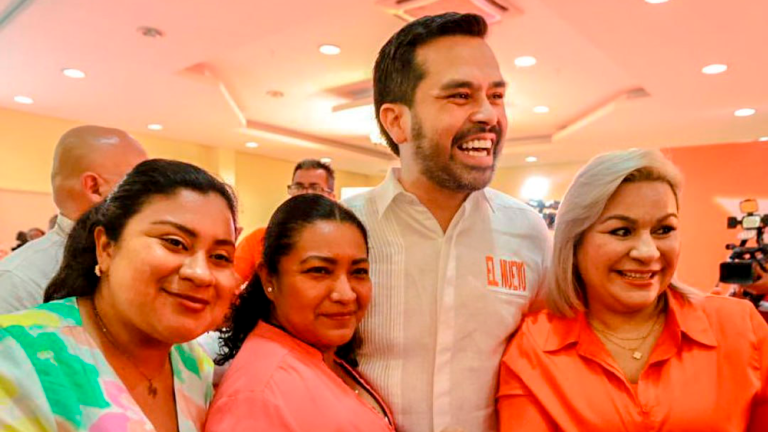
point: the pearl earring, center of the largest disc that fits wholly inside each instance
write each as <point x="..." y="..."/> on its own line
<point x="269" y="289"/>
<point x="97" y="270"/>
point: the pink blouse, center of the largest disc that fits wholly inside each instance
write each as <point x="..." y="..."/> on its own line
<point x="278" y="383"/>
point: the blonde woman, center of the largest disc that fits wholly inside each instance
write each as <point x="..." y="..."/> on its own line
<point x="624" y="346"/>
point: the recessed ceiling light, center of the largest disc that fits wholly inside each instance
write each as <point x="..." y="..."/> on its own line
<point x="525" y="61"/>
<point x="744" y="112"/>
<point x="714" y="69"/>
<point x="656" y="1"/>
<point x="765" y="138"/>
<point x="531" y="159"/>
<point x="26" y="100"/>
<point x="541" y="109"/>
<point x="329" y="49"/>
<point x="251" y="144"/>
<point x="73" y="73"/>
<point x="150" y="32"/>
<point x="326" y="161"/>
<point x="155" y="126"/>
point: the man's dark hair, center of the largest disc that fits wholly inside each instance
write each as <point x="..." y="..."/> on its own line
<point x="312" y="164"/>
<point x="149" y="179"/>
<point x="283" y="233"/>
<point x="396" y="73"/>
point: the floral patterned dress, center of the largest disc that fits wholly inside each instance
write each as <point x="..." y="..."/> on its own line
<point x="53" y="377"/>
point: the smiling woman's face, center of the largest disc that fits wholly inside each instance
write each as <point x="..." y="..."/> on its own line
<point x="170" y="273"/>
<point x="322" y="288"/>
<point x="628" y="257"/>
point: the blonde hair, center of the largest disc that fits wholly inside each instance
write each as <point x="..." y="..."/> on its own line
<point x="584" y="202"/>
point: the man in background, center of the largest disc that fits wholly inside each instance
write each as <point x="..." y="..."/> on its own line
<point x="309" y="176"/>
<point x="88" y="162"/>
<point x="454" y="264"/>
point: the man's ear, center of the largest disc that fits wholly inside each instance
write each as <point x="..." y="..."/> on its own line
<point x="396" y="119"/>
<point x="93" y="186"/>
<point x="105" y="249"/>
<point x="267" y="281"/>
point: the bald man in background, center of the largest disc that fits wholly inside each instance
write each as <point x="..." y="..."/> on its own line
<point x="89" y="161"/>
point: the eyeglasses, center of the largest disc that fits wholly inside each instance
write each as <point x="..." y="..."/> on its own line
<point x="296" y="189"/>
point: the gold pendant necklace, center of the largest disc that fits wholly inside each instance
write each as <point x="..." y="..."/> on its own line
<point x="151" y="389"/>
<point x="636" y="354"/>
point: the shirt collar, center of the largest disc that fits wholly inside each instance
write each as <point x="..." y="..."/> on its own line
<point x="391" y="187"/>
<point x="64" y="225"/>
<point x="685" y="316"/>
<point x="268" y="331"/>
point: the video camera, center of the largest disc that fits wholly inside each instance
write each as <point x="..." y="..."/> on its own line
<point x="740" y="267"/>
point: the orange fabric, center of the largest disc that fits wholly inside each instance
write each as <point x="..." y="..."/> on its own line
<point x="248" y="253"/>
<point x="278" y="383"/>
<point x="708" y="371"/>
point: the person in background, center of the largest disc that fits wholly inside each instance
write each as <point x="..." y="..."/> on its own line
<point x="291" y="330"/>
<point x="34" y="233"/>
<point x="87" y="164"/>
<point x="21" y="240"/>
<point x="624" y="346"/>
<point x="309" y="176"/>
<point x="455" y="264"/>
<point x="144" y="272"/>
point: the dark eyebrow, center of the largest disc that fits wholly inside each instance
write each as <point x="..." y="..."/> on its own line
<point x="332" y="261"/>
<point x="191" y="233"/>
<point x="631" y="221"/>
<point x="456" y="84"/>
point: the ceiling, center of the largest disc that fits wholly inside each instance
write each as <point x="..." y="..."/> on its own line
<point x="614" y="73"/>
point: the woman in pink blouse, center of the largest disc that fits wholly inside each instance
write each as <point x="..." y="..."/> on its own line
<point x="292" y="330"/>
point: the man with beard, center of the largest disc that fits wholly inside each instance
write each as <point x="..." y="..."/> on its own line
<point x="454" y="263"/>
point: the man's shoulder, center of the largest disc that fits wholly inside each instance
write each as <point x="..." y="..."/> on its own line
<point x="506" y="203"/>
<point x="34" y="253"/>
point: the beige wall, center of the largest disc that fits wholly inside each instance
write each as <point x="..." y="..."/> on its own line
<point x="26" y="154"/>
<point x="510" y="180"/>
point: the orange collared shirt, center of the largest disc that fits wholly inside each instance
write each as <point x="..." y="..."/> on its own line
<point x="248" y="254"/>
<point x="278" y="383"/>
<point x="707" y="372"/>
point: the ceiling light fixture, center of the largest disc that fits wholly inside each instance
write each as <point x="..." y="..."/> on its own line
<point x="329" y="49"/>
<point x="155" y="127"/>
<point x="251" y="144"/>
<point x="656" y="1"/>
<point x="26" y="100"/>
<point x="326" y="160"/>
<point x="531" y="159"/>
<point x="744" y="112"/>
<point x="765" y="138"/>
<point x="714" y="69"/>
<point x="73" y="73"/>
<point x="525" y="61"/>
<point x="541" y="109"/>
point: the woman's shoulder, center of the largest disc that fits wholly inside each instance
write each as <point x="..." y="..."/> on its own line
<point x="542" y="330"/>
<point x="47" y="316"/>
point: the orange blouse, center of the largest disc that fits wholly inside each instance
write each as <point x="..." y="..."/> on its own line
<point x="707" y="372"/>
<point x="279" y="384"/>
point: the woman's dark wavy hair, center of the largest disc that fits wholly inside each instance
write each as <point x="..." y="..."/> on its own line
<point x="283" y="231"/>
<point x="151" y="178"/>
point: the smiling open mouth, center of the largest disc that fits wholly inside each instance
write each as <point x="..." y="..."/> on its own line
<point x="638" y="276"/>
<point x="477" y="148"/>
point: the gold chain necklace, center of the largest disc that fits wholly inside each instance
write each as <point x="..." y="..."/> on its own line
<point x="151" y="389"/>
<point x="637" y="355"/>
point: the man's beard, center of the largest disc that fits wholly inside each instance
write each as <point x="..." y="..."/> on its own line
<point x="451" y="174"/>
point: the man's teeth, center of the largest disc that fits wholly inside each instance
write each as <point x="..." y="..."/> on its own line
<point x="477" y="144"/>
<point x="477" y="148"/>
<point x="638" y="276"/>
